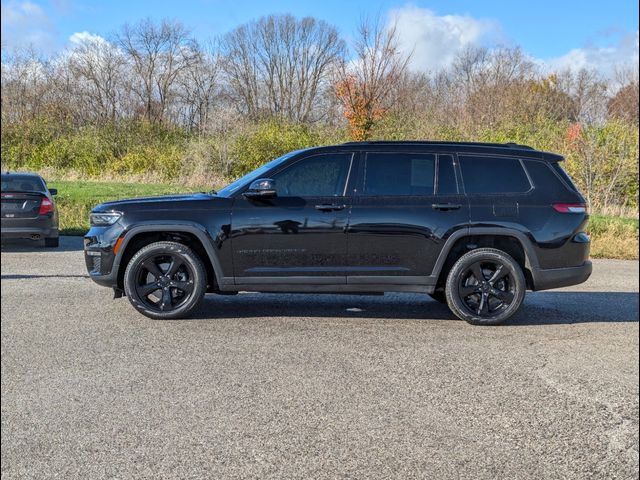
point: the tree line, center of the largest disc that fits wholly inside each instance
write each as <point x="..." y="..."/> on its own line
<point x="152" y="97"/>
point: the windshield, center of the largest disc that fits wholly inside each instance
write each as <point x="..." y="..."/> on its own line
<point x="22" y="183"/>
<point x="255" y="175"/>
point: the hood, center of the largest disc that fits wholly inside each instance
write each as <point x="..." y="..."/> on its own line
<point x="156" y="202"/>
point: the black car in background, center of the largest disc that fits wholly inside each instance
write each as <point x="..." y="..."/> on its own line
<point x="28" y="209"/>
<point x="473" y="225"/>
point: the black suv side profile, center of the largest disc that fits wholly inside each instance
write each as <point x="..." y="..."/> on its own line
<point x="474" y="225"/>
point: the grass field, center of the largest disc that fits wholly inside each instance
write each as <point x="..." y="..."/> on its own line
<point x="75" y="199"/>
<point x="612" y="237"/>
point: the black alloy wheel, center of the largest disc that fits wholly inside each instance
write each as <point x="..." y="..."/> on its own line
<point x="485" y="287"/>
<point x="165" y="280"/>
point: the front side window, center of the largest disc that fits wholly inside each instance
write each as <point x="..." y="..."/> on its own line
<point x="399" y="174"/>
<point x="317" y="176"/>
<point x="482" y="174"/>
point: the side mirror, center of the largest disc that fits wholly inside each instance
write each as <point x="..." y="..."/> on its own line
<point x="53" y="191"/>
<point x="262" y="188"/>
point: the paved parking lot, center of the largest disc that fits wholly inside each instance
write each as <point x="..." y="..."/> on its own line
<point x="299" y="386"/>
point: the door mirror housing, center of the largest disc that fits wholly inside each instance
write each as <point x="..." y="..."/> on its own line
<point x="262" y="188"/>
<point x="53" y="191"/>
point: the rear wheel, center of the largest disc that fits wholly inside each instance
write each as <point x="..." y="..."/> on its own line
<point x="52" y="242"/>
<point x="165" y="280"/>
<point x="485" y="287"/>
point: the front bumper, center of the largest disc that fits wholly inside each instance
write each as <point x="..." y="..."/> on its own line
<point x="545" y="279"/>
<point x="99" y="255"/>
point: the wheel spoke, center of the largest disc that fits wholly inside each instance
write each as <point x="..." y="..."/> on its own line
<point x="186" y="287"/>
<point x="500" y="272"/>
<point x="153" y="269"/>
<point x="166" y="301"/>
<point x="477" y="272"/>
<point x="148" y="289"/>
<point x="483" y="308"/>
<point x="468" y="290"/>
<point x="175" y="264"/>
<point x="506" y="297"/>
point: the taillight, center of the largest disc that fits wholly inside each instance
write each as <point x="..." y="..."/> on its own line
<point x="45" y="207"/>
<point x="570" y="207"/>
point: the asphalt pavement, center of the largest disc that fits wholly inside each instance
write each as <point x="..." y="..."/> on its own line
<point x="302" y="386"/>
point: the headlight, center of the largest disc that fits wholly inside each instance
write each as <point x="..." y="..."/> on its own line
<point x="102" y="219"/>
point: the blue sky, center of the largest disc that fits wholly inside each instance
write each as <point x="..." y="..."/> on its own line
<point x="565" y="32"/>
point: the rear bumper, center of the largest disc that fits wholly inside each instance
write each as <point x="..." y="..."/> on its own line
<point x="545" y="279"/>
<point x="24" y="232"/>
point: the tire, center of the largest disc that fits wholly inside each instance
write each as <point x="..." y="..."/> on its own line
<point x="176" y="272"/>
<point x="52" y="242"/>
<point x="491" y="299"/>
<point x="439" y="296"/>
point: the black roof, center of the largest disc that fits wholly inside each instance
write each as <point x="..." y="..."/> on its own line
<point x="467" y="147"/>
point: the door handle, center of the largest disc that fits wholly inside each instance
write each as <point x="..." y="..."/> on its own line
<point x="446" y="206"/>
<point x="330" y="207"/>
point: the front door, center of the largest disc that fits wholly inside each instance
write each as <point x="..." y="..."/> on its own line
<point x="408" y="204"/>
<point x="299" y="233"/>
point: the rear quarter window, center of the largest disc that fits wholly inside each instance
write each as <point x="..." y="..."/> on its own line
<point x="544" y="179"/>
<point x="486" y="174"/>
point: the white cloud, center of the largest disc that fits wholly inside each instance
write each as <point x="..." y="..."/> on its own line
<point x="25" y="24"/>
<point x="435" y="40"/>
<point x="82" y="37"/>
<point x="604" y="59"/>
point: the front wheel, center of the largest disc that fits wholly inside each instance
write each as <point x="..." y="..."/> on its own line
<point x="485" y="287"/>
<point x="165" y="280"/>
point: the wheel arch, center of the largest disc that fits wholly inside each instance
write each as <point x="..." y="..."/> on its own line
<point x="514" y="242"/>
<point x="191" y="234"/>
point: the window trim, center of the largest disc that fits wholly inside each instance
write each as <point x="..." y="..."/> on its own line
<point x="518" y="159"/>
<point x="437" y="174"/>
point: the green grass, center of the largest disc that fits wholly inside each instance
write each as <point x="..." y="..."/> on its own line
<point x="75" y="199"/>
<point x="612" y="237"/>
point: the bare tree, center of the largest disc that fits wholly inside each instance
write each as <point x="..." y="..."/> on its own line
<point x="199" y="87"/>
<point x="626" y="101"/>
<point x="100" y="68"/>
<point x="368" y="84"/>
<point x="278" y="65"/>
<point x="158" y="54"/>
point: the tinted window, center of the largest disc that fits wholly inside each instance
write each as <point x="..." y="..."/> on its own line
<point x="22" y="183"/>
<point x="446" y="176"/>
<point x="316" y="176"/>
<point x="399" y="174"/>
<point x="493" y="175"/>
<point x="565" y="176"/>
<point x="543" y="177"/>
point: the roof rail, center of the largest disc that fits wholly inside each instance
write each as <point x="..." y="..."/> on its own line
<point x="432" y="142"/>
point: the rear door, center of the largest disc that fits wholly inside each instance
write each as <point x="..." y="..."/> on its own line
<point x="406" y="207"/>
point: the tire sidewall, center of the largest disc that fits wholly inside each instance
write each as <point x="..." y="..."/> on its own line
<point x="457" y="305"/>
<point x="159" y="248"/>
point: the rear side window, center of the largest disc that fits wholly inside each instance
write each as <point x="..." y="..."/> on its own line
<point x="493" y="175"/>
<point x="399" y="174"/>
<point x="543" y="177"/>
<point x="565" y="176"/>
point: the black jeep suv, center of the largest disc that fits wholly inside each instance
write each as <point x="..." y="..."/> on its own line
<point x="473" y="225"/>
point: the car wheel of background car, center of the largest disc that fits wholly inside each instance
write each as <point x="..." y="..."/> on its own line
<point x="52" y="242"/>
<point x="485" y="287"/>
<point x="165" y="280"/>
<point x="439" y="296"/>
